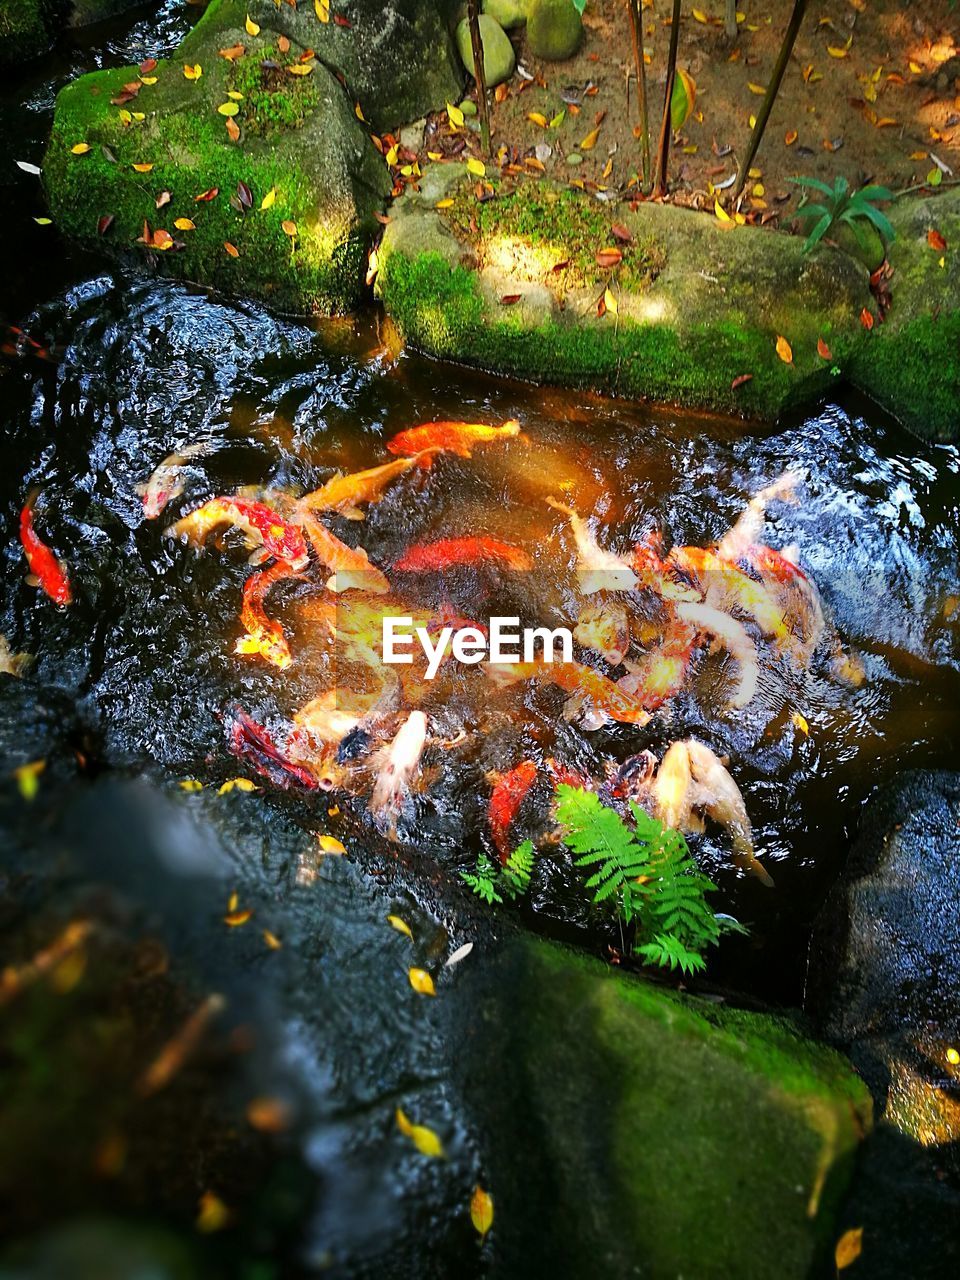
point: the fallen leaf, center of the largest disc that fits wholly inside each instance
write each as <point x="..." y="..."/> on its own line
<point x="934" y="178"/>
<point x="301" y="68"/>
<point x="236" y="918"/>
<point x="823" y="351"/>
<point x="935" y="240"/>
<point x="424" y="1139"/>
<point x="444" y="204"/>
<point x="784" y="350"/>
<point x="740" y="379"/>
<point x="461" y="953"/>
<point x="801" y="723"/>
<point x="27" y="167"/>
<point x="141" y="167"/>
<point x="510" y="299"/>
<point x="283" y="44"/>
<point x="235" y="51"/>
<point x="866" y="318"/>
<point x="244" y="195"/>
<point x="193" y="72"/>
<point x="272" y="941"/>
<point x="252" y="28"/>
<point x="590" y="141"/>
<point x="421" y="982"/>
<point x="104" y="224"/>
<point x="610" y="302"/>
<point x="232" y="784"/>
<point x="609" y="257"/>
<point x="401" y="926"/>
<point x="268" y="1115"/>
<point x="147" y="65"/>
<point x="476" y="167"/>
<point x="28" y="778"/>
<point x="233" y="129"/>
<point x="756" y="88"/>
<point x="536" y="117"/>
<point x="232" y="249"/>
<point x="790" y="137"/>
<point x="722" y="215"/>
<point x="162" y="199"/>
<point x="849" y="1248"/>
<point x="269" y="198"/>
<point x="44" y="222"/>
<point x="213" y="1214"/>
<point x="228" y="108"/>
<point x="210" y="194"/>
<point x="322" y="9"/>
<point x="190" y="784"/>
<point x="455" y="116"/>
<point x="162" y="239"/>
<point x="330" y="844"/>
<point x="621" y="233"/>
<point x="481" y="1204"/>
<point x="80" y="148"/>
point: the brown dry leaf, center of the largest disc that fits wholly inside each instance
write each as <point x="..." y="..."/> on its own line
<point x="866" y="318"/>
<point x="510" y="299"/>
<point x="235" y="51"/>
<point x="849" y="1248"/>
<point x="233" y="130"/>
<point x="622" y="233"/>
<point x="823" y="351"/>
<point x="163" y="198"/>
<point x="104" y="224"/>
<point x="740" y="379"/>
<point x="935" y="240"/>
<point x="609" y="257"/>
<point x="784" y="350"/>
<point x="481" y="1210"/>
<point x="790" y="137"/>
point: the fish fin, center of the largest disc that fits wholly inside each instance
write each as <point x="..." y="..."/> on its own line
<point x="352" y="513"/>
<point x="32" y="580"/>
<point x="140" y="488"/>
<point x="258" y="556"/>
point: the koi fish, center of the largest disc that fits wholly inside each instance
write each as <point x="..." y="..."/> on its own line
<point x="326" y="721"/>
<point x="460" y="438"/>
<point x="720" y="798"/>
<point x="509" y="792"/>
<point x="597" y="699"/>
<point x="746" y="531"/>
<point x="733" y="636"/>
<point x="654" y="570"/>
<point x="342" y="493"/>
<point x="264" y="636"/>
<point x="448" y="552"/>
<point x="250" y="741"/>
<point x="263" y="527"/>
<point x="396" y="765"/>
<point x="797" y="595"/>
<point x="351" y="567"/>
<point x="12" y="664"/>
<point x="661" y="672"/>
<point x="46" y="570"/>
<point x="726" y="587"/>
<point x="599" y="570"/>
<point x="604" y="628"/>
<point x="168" y="480"/>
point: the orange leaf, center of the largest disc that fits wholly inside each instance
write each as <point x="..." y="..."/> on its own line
<point x="233" y="129"/>
<point x="784" y="350"/>
<point x="288" y="228"/>
<point x="611" y="257"/>
<point x="849" y="1248"/>
<point x="235" y="51"/>
<point x="823" y="351"/>
<point x="162" y="240"/>
<point x="790" y="138"/>
<point x="283" y="44"/>
<point x="237" y="918"/>
<point x="232" y="249"/>
<point x="481" y="1210"/>
<point x="142" y="168"/>
<point x="935" y="240"/>
<point x="211" y="194"/>
<point x="590" y="141"/>
<point x="740" y="380"/>
<point x="866" y="318"/>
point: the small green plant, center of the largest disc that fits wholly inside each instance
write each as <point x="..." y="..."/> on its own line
<point x="650" y="876"/>
<point x="512" y="880"/>
<point x="841" y="205"/>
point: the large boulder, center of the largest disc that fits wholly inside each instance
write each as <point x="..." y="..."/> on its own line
<point x="296" y="189"/>
<point x="911" y="363"/>
<point x="884" y="983"/>
<point x="26" y="29"/>
<point x="509" y="13"/>
<point x="699" y="309"/>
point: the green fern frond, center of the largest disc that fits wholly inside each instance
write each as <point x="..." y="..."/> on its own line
<point x="670" y="953"/>
<point x="518" y="869"/>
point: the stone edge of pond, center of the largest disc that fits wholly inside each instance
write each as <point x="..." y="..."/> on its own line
<point x="703" y="1139"/>
<point x="703" y="334"/>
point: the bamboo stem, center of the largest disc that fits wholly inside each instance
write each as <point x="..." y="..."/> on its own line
<point x="479" y="74"/>
<point x="773" y="88"/>
<point x="663" y="148"/>
<point x="635" y="9"/>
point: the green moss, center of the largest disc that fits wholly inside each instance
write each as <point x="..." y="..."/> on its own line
<point x="273" y="99"/>
<point x="318" y="270"/>
<point x="564" y="223"/>
<point x="439" y="308"/>
<point x="915" y="370"/>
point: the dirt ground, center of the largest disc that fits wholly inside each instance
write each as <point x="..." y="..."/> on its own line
<point x="883" y="106"/>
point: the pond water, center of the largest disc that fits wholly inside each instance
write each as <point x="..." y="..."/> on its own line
<point x="133" y="369"/>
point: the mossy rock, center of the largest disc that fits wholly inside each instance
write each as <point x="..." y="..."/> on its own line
<point x="911" y="363"/>
<point x="642" y="1133"/>
<point x="499" y="58"/>
<point x="84" y="13"/>
<point x="299" y="137"/>
<point x="698" y="307"/>
<point x="554" y="29"/>
<point x="26" y="29"/>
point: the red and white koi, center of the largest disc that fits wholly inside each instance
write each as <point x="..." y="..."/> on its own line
<point x="265" y="529"/>
<point x="168" y="480"/>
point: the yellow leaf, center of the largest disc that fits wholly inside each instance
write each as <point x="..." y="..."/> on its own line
<point x="424" y="1139"/>
<point x="720" y="211"/>
<point x="455" y="115"/>
<point x="272" y="941"/>
<point x="916" y="68"/>
<point x="434" y="155"/>
<point x="28" y="778"/>
<point x="759" y="189"/>
<point x="252" y="28"/>
<point x="481" y="1205"/>
<point x="358" y="112"/>
<point x="538" y="118"/>
<point x="80" y="148"/>
<point x="700" y="15"/>
<point x="301" y="68"/>
<point x="125" y="117"/>
<point x="609" y="301"/>
<point x="784" y="350"/>
<point x="236" y="918"/>
<point x="834" y="52"/>
<point x="192" y="72"/>
<point x="753" y="122"/>
<point x="401" y="926"/>
<point x="421" y="982"/>
<point x="142" y="168"/>
<point x="322" y="9"/>
<point x="756" y="88"/>
<point x="393" y="154"/>
<point x="213" y="1214"/>
<point x="232" y="784"/>
<point x="444" y="204"/>
<point x="233" y="901"/>
<point x="232" y="93"/>
<point x="590" y="141"/>
<point x="848" y="1248"/>
<point x="801" y="723"/>
<point x="228" y="108"/>
<point x="330" y="844"/>
<point x="269" y="198"/>
<point x="476" y="167"/>
<point x="190" y="784"/>
<point x="185" y="224"/>
<point x="148" y="79"/>
<point x="44" y="222"/>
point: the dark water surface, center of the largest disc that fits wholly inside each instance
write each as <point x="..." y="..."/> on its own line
<point x="144" y="659"/>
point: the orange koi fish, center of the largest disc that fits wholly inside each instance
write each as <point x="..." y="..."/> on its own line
<point x="264" y="635"/>
<point x="797" y="596"/>
<point x="448" y="552"/>
<point x="264" y="528"/>
<point x="460" y="438"/>
<point x="509" y="791"/>
<point x="605" y="628"/>
<point x="726" y="587"/>
<point x="350" y="566"/>
<point x="602" y="698"/>
<point x="661" y="672"/>
<point x="342" y="493"/>
<point x="46" y="570"/>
